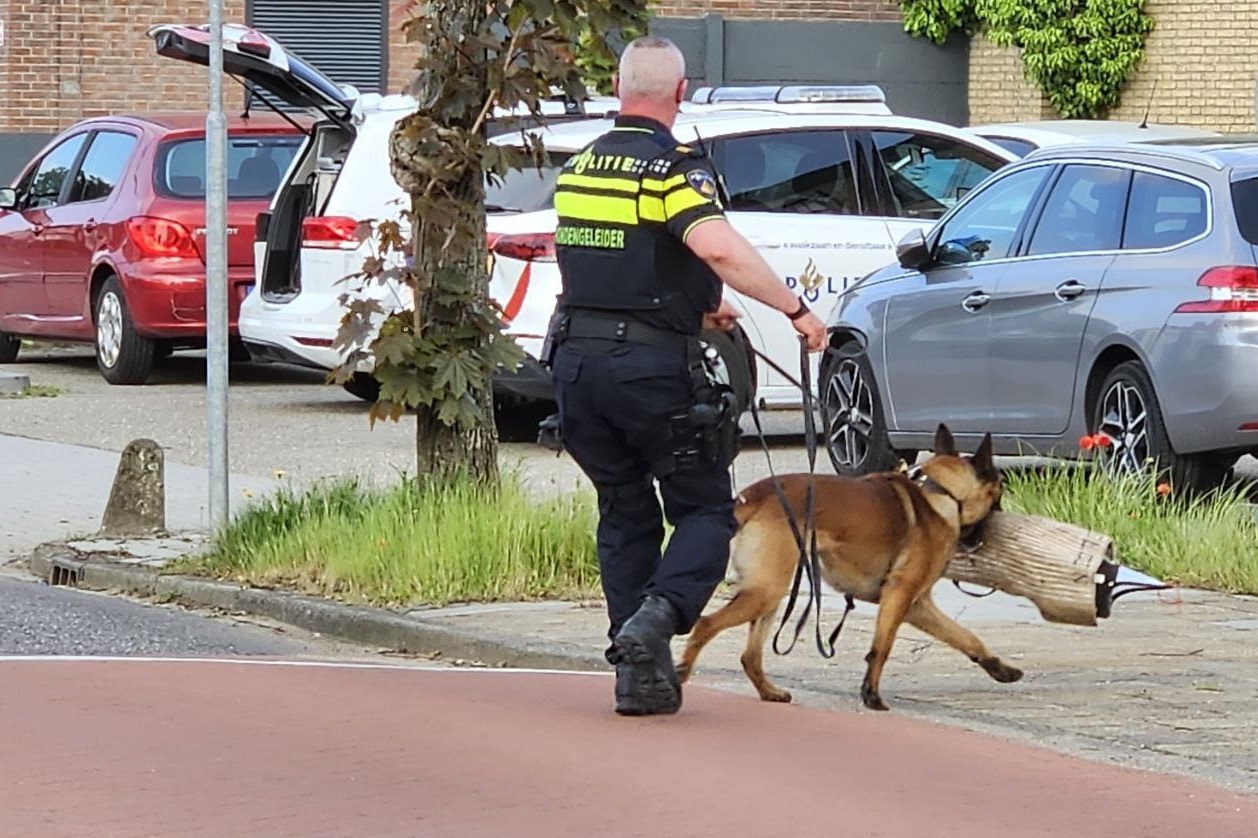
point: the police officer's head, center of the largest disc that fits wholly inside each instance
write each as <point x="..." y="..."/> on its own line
<point x="652" y="79"/>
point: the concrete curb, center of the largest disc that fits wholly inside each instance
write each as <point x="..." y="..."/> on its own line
<point x="58" y="564"/>
<point x="12" y="383"/>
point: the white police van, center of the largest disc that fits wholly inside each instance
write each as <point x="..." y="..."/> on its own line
<point x="823" y="179"/>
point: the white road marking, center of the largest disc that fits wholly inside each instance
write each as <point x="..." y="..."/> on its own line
<point x="292" y="663"/>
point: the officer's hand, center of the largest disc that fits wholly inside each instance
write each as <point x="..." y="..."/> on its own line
<point x="811" y="327"/>
<point x="724" y="318"/>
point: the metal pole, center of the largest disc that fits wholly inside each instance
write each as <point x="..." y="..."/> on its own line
<point x="216" y="275"/>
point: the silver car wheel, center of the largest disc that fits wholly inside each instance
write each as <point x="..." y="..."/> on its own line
<point x="1125" y="420"/>
<point x="848" y="406"/>
<point x="109" y="329"/>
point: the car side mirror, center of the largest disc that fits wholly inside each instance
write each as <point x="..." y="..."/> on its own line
<point x="8" y="197"/>
<point x="954" y="253"/>
<point x="912" y="250"/>
<point x="963" y="251"/>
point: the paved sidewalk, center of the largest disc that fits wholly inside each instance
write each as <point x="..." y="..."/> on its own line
<point x="50" y="491"/>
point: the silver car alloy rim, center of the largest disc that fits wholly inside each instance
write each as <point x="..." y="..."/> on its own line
<point x="1125" y="420"/>
<point x="109" y="329"/>
<point x="849" y="411"/>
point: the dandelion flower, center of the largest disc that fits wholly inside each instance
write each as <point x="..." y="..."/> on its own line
<point x="248" y="493"/>
<point x="279" y="473"/>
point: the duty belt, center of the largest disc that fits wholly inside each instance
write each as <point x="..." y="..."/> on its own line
<point x="610" y="327"/>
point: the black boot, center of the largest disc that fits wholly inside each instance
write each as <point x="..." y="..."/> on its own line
<point x="646" y="682"/>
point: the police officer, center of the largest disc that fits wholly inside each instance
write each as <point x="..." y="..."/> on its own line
<point x="643" y="248"/>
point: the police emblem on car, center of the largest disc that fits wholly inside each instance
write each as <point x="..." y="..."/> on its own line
<point x="702" y="182"/>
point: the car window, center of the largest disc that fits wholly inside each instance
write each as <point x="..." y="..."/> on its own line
<point x="1083" y="213"/>
<point x="526" y="190"/>
<point x="928" y="174"/>
<point x="789" y="171"/>
<point x="1163" y="212"/>
<point x="1019" y="147"/>
<point x="1245" y="203"/>
<point x="984" y="226"/>
<point x="42" y="187"/>
<point x="255" y="164"/>
<point x="102" y="166"/>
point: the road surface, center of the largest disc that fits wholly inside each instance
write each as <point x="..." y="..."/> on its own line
<point x="139" y="747"/>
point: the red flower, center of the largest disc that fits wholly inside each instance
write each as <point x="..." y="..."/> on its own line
<point x="1164" y="489"/>
<point x="1097" y="440"/>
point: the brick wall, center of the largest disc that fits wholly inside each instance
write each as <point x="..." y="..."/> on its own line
<point x="782" y="9"/>
<point x="1200" y="68"/>
<point x="999" y="92"/>
<point x="402" y="55"/>
<point x="64" y="60"/>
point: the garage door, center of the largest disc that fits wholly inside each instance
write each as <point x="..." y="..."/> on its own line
<point x="345" y="39"/>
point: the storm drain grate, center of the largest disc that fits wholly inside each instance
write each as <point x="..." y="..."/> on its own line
<point x="64" y="573"/>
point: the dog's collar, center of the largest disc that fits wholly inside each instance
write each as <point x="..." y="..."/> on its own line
<point x="930" y="484"/>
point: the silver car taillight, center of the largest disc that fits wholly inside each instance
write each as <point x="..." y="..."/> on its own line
<point x="1233" y="289"/>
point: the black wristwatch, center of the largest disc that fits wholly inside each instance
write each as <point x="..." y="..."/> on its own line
<point x="799" y="312"/>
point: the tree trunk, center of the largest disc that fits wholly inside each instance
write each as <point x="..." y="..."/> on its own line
<point x="445" y="451"/>
<point x="442" y="450"/>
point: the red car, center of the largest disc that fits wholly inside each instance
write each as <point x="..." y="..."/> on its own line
<point x="102" y="235"/>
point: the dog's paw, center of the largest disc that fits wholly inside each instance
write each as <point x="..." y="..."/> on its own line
<point x="683" y="673"/>
<point x="1002" y="672"/>
<point x="872" y="700"/>
<point x="776" y="695"/>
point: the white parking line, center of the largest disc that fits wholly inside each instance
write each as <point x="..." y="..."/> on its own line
<point x="292" y="663"/>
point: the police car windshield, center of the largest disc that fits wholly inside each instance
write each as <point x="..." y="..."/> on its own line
<point x="526" y="190"/>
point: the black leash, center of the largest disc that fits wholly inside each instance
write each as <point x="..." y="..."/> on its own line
<point x="809" y="563"/>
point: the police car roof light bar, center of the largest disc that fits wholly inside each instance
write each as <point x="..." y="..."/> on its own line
<point x="793" y="93"/>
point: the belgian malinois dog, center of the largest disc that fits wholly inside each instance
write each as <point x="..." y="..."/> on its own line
<point x="884" y="538"/>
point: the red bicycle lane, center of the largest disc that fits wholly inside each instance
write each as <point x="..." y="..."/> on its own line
<point x="139" y="747"/>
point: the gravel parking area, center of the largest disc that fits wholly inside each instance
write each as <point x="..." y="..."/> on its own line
<point x="287" y="419"/>
<point x="282" y="418"/>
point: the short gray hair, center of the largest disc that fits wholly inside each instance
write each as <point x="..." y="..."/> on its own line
<point x="650" y="68"/>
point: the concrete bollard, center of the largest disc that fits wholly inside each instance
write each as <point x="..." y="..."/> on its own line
<point x="137" y="502"/>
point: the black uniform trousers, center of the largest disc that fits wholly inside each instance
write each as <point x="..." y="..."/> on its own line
<point x="615" y="403"/>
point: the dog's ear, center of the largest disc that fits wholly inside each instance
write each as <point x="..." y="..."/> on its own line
<point x="944" y="444"/>
<point x="983" y="462"/>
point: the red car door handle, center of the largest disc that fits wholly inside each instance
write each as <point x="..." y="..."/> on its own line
<point x="89" y="225"/>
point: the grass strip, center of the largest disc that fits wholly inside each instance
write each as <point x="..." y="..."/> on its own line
<point x="412" y="543"/>
<point x="1207" y="541"/>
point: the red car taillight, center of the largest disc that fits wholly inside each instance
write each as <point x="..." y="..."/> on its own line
<point x="527" y="247"/>
<point x="161" y="237"/>
<point x="1233" y="289"/>
<point x="330" y="232"/>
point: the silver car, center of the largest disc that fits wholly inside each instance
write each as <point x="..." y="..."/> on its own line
<point x="1082" y="289"/>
